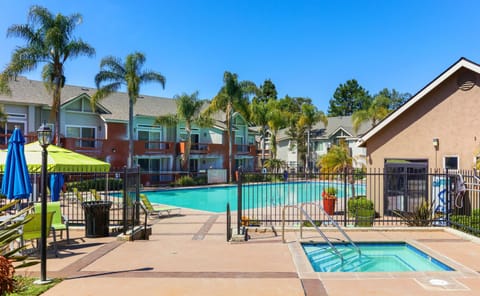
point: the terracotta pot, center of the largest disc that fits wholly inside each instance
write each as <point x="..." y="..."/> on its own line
<point x="329" y="205"/>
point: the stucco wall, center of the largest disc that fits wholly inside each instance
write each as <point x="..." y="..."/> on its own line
<point x="447" y="113"/>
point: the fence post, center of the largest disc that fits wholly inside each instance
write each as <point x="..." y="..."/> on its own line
<point x="345" y="197"/>
<point x="239" y="201"/>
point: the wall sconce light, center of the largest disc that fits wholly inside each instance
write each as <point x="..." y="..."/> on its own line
<point x="114" y="150"/>
<point x="436" y="143"/>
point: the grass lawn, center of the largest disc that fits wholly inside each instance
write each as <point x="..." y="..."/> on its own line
<point x="26" y="287"/>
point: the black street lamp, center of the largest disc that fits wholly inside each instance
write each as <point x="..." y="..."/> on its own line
<point x="44" y="134"/>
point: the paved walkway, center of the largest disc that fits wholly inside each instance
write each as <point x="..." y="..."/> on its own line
<point x="189" y="255"/>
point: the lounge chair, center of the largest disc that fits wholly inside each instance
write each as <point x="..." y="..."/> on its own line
<point x="8" y="206"/>
<point x="156" y="209"/>
<point x="32" y="229"/>
<point x="59" y="222"/>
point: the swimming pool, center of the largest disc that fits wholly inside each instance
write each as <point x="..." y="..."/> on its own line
<point x="375" y="257"/>
<point x="214" y="199"/>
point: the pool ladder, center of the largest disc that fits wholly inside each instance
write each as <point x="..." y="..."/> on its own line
<point x="309" y="218"/>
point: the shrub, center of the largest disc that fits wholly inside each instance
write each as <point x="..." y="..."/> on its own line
<point x="359" y="202"/>
<point x="421" y="216"/>
<point x="200" y="180"/>
<point x="185" y="181"/>
<point x="99" y="184"/>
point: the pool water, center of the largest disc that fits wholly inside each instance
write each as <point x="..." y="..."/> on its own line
<point x="375" y="257"/>
<point x="214" y="199"/>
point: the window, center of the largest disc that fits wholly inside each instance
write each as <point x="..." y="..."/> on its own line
<point x="13" y="120"/>
<point x="81" y="105"/>
<point x="151" y="135"/>
<point x="450" y="162"/>
<point x="85" y="136"/>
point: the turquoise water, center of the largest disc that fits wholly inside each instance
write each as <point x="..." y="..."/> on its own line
<point x="376" y="257"/>
<point x="214" y="199"/>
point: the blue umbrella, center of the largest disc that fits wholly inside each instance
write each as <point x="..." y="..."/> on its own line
<point x="16" y="181"/>
<point x="56" y="184"/>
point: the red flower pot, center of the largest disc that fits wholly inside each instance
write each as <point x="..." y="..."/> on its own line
<point x="329" y="205"/>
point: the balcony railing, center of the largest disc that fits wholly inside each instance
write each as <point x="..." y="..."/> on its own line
<point x="196" y="148"/>
<point x="90" y="146"/>
<point x="157" y="146"/>
<point x="5" y="137"/>
<point x="242" y="149"/>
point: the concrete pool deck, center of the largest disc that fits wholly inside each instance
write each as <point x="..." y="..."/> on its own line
<point x="189" y="255"/>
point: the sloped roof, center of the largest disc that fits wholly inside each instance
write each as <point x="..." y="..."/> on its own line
<point x="461" y="63"/>
<point x="32" y="92"/>
<point x="334" y="124"/>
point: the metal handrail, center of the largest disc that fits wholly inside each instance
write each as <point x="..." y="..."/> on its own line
<point x="304" y="212"/>
<point x="336" y="225"/>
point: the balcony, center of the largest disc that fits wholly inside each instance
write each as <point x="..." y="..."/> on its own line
<point x="243" y="149"/>
<point x="158" y="147"/>
<point x="4" y="139"/>
<point x="196" y="148"/>
<point x="89" y="146"/>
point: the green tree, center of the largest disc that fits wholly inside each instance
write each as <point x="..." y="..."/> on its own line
<point x="259" y="117"/>
<point x="233" y="97"/>
<point x="266" y="92"/>
<point x="277" y="119"/>
<point x="308" y="118"/>
<point x="348" y="98"/>
<point x="49" y="41"/>
<point x="377" y="111"/>
<point x="396" y="98"/>
<point x="296" y="132"/>
<point x="275" y="165"/>
<point x="338" y="160"/>
<point x="114" y="74"/>
<point x="188" y="110"/>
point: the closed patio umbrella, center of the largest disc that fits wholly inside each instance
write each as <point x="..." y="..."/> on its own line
<point x="16" y="180"/>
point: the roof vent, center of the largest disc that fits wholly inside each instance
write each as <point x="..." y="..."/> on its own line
<point x="466" y="80"/>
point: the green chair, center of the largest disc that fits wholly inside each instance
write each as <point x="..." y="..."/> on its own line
<point x="59" y="222"/>
<point x="154" y="209"/>
<point x="364" y="217"/>
<point x="32" y="229"/>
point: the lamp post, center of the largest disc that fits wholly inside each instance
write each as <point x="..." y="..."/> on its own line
<point x="44" y="134"/>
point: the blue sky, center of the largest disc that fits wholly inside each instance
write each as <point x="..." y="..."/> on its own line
<point x="307" y="48"/>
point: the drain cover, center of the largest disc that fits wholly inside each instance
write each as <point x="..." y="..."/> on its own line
<point x="437" y="282"/>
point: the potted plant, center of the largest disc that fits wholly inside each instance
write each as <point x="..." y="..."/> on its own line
<point x="329" y="198"/>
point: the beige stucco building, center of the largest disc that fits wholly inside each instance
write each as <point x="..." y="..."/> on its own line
<point x="438" y="127"/>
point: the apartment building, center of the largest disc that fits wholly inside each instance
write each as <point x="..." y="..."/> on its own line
<point x="103" y="132"/>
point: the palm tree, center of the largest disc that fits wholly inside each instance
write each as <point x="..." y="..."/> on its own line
<point x="277" y="119"/>
<point x="275" y="164"/>
<point x="308" y="118"/>
<point x="50" y="41"/>
<point x="232" y="98"/>
<point x="377" y="111"/>
<point x="338" y="160"/>
<point x="188" y="110"/>
<point x="114" y="74"/>
<point x="259" y="117"/>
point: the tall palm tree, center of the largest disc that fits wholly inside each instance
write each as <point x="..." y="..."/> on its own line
<point x="259" y="117"/>
<point x="114" y="74"/>
<point x="233" y="97"/>
<point x="308" y="118"/>
<point x="277" y="119"/>
<point x="49" y="41"/>
<point x="188" y="110"/>
<point x="377" y="111"/>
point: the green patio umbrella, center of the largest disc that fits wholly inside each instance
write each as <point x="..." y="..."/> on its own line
<point x="60" y="160"/>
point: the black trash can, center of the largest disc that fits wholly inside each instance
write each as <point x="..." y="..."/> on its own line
<point x="97" y="218"/>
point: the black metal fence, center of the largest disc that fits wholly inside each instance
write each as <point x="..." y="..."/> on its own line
<point x="413" y="196"/>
